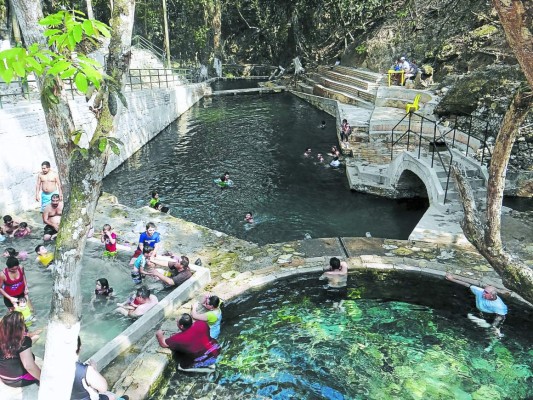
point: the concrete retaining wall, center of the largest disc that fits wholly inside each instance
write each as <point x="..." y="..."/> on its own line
<point x="25" y="140"/>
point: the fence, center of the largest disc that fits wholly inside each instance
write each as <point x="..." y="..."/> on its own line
<point x="137" y="79"/>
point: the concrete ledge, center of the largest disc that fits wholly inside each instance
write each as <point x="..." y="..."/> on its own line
<point x="147" y="322"/>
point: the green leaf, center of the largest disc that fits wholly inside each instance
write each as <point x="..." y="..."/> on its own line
<point x="19" y="69"/>
<point x="76" y="136"/>
<point x="59" y="67"/>
<point x="81" y="82"/>
<point x="52" y="20"/>
<point x="35" y="65"/>
<point x="89" y="61"/>
<point x="77" y="33"/>
<point x="68" y="73"/>
<point x="88" y="27"/>
<point x="114" y="148"/>
<point x="51" y="32"/>
<point x="71" y="42"/>
<point x="102" y="144"/>
<point x="6" y="75"/>
<point x="101" y="28"/>
<point x="122" y="99"/>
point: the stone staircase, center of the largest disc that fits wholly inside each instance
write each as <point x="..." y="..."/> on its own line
<point x="375" y="163"/>
<point x="347" y="85"/>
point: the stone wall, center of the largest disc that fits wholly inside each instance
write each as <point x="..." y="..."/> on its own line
<point x="25" y="140"/>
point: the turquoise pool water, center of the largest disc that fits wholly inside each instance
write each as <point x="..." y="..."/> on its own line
<point x="397" y="337"/>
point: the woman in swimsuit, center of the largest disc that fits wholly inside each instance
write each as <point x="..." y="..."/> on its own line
<point x="17" y="362"/>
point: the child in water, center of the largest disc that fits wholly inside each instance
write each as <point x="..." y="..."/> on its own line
<point x="137" y="270"/>
<point x="21" y="231"/>
<point x="23" y="308"/>
<point x="249" y="217"/>
<point x="102" y="288"/>
<point x="154" y="200"/>
<point x="109" y="238"/>
<point x="11" y="252"/>
<point x="45" y="258"/>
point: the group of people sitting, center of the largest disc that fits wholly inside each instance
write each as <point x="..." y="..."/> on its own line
<point x="411" y="70"/>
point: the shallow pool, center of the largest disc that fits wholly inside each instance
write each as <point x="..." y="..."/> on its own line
<point x="397" y="337"/>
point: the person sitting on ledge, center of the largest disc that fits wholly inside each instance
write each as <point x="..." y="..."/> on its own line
<point x="193" y="345"/>
<point x="178" y="273"/>
<point x="490" y="306"/>
<point x="212" y="315"/>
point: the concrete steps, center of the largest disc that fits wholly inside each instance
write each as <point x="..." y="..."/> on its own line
<point x="343" y="97"/>
<point x="362" y="74"/>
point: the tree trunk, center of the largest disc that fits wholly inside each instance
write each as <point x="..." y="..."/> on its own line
<point x="216" y="25"/>
<point x="516" y="17"/>
<point x="486" y="238"/>
<point x="86" y="179"/>
<point x="58" y="116"/>
<point x="90" y="13"/>
<point x="167" y="40"/>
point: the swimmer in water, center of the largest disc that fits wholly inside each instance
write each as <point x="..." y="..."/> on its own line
<point x="320" y="158"/>
<point x="249" y="217"/>
<point x="307" y="152"/>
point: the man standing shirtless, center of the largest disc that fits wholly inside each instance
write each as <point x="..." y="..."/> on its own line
<point x="52" y="217"/>
<point x="47" y="185"/>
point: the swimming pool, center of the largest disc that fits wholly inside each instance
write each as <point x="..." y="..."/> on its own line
<point x="397" y="336"/>
<point x="260" y="141"/>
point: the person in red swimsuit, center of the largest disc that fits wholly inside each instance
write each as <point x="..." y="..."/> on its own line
<point x="193" y="345"/>
<point x="13" y="285"/>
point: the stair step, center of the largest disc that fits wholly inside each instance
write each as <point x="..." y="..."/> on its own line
<point x="359" y="73"/>
<point x="367" y="96"/>
<point x="320" y="90"/>
<point x="347" y="79"/>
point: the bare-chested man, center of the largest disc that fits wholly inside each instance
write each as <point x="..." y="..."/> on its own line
<point x="47" y="185"/>
<point x="52" y="217"/>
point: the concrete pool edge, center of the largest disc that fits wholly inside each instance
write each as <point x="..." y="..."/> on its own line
<point x="150" y="366"/>
<point x="144" y="324"/>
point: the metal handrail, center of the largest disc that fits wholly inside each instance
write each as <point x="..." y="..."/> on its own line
<point x="144" y="43"/>
<point x="421" y="137"/>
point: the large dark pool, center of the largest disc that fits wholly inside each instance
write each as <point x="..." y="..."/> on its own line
<point x="260" y="141"/>
<point x="397" y="336"/>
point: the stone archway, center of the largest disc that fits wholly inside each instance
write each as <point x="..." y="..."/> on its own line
<point x="409" y="184"/>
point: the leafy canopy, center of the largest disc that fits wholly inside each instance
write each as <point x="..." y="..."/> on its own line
<point x="65" y="30"/>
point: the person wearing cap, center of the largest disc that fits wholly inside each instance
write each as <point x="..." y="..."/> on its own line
<point x="491" y="307"/>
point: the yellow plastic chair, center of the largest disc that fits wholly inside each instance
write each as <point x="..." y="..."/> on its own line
<point x="411" y="107"/>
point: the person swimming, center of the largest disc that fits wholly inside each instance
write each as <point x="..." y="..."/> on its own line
<point x="249" y="217"/>
<point x="320" y="158"/>
<point x="307" y="152"/>
<point x="224" y="181"/>
<point x="335" y="163"/>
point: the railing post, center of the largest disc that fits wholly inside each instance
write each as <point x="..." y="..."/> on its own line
<point x="392" y="144"/>
<point x="434" y="146"/>
<point x="421" y="132"/>
<point x="485" y="141"/>
<point x="409" y="130"/>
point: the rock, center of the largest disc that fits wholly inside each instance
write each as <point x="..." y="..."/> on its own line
<point x="403" y="251"/>
<point x="446" y="255"/>
<point x="229" y="275"/>
<point x="389" y="247"/>
<point x="248" y="258"/>
<point x="284" y="258"/>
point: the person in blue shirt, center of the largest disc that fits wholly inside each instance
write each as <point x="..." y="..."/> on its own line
<point x="149" y="238"/>
<point x="488" y="303"/>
